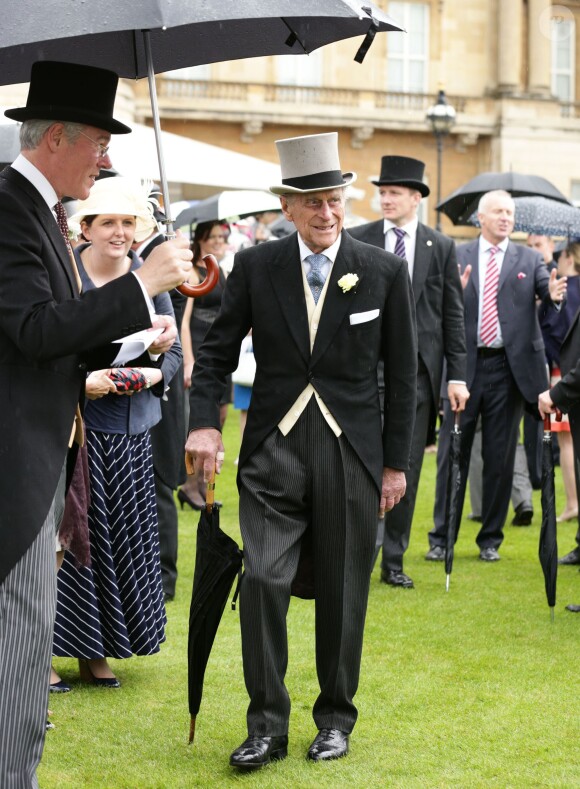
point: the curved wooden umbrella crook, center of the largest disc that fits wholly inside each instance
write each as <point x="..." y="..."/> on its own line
<point x="209" y="283"/>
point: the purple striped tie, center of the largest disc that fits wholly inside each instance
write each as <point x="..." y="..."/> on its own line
<point x="400" y="243"/>
<point x="488" y="331"/>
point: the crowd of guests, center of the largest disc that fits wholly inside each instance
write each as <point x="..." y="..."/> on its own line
<point x="358" y="339"/>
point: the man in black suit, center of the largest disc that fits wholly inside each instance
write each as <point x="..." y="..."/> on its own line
<point x="440" y="329"/>
<point x="323" y="308"/>
<point x="49" y="338"/>
<point x="565" y="396"/>
<point x="506" y="365"/>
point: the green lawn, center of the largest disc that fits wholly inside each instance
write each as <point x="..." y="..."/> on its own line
<point x="471" y="688"/>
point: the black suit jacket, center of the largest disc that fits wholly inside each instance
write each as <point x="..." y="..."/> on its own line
<point x="523" y="277"/>
<point x="438" y="299"/>
<point x="265" y="293"/>
<point x="49" y="338"/>
<point x="566" y="393"/>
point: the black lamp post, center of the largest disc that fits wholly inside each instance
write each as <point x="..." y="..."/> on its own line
<point x="440" y="117"/>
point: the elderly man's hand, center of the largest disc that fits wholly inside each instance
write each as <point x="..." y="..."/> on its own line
<point x="458" y="396"/>
<point x="165" y="341"/>
<point x="205" y="449"/>
<point x="168" y="266"/>
<point x="545" y="404"/>
<point x="393" y="489"/>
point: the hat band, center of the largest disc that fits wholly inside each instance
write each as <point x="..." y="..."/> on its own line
<point x="326" y="180"/>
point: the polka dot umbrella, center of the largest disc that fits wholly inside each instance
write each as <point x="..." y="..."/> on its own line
<point x="543" y="217"/>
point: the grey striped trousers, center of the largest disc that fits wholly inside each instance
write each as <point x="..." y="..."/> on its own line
<point x="307" y="479"/>
<point x="27" y="609"/>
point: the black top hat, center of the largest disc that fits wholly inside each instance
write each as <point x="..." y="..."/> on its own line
<point x="71" y="92"/>
<point x="402" y="171"/>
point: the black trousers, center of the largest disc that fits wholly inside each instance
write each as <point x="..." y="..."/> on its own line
<point x="399" y="520"/>
<point x="495" y="396"/>
<point x="167" y="521"/>
<point x="309" y="479"/>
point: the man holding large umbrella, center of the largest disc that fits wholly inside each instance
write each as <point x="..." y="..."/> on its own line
<point x="323" y="308"/>
<point x="49" y="337"/>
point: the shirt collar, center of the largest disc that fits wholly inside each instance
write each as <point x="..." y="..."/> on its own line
<point x="410" y="228"/>
<point x="25" y="167"/>
<point x="485" y="245"/>
<point x="330" y="253"/>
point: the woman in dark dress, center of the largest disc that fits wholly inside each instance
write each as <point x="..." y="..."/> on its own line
<point x="114" y="607"/>
<point x="209" y="238"/>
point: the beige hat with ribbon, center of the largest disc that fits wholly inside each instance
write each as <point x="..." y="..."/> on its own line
<point x="119" y="195"/>
<point x="310" y="164"/>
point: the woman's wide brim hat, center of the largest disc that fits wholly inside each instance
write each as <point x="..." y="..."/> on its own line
<point x="402" y="171"/>
<point x="71" y="92"/>
<point x="310" y="164"/>
<point x="119" y="196"/>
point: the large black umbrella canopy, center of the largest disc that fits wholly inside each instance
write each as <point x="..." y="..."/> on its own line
<point x="452" y="510"/>
<point x="548" y="547"/>
<point x="138" y="38"/>
<point x="182" y="33"/>
<point x="218" y="560"/>
<point x="228" y="204"/>
<point x="463" y="202"/>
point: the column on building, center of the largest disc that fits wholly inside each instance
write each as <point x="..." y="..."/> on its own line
<point x="539" y="47"/>
<point x="509" y="46"/>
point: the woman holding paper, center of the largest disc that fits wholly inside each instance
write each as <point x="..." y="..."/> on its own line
<point x="115" y="608"/>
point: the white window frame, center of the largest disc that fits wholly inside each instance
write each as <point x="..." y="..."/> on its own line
<point x="570" y="69"/>
<point x="403" y="16"/>
<point x="301" y="70"/>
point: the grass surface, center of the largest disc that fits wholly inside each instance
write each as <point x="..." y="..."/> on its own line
<point x="471" y="688"/>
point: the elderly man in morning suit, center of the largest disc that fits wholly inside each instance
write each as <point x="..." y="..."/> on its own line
<point x="506" y="364"/>
<point x="323" y="308"/>
<point x="49" y="337"/>
<point x="438" y="299"/>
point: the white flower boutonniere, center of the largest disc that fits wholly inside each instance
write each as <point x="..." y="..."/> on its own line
<point x="347" y="282"/>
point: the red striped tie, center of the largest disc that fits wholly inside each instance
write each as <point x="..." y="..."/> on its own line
<point x="489" y="313"/>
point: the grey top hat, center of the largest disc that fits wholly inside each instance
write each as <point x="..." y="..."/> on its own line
<point x="71" y="92"/>
<point x="310" y="164"/>
<point x="402" y="171"/>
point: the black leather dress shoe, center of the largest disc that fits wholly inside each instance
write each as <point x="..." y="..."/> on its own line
<point x="328" y="744"/>
<point x="397" y="578"/>
<point x="489" y="555"/>
<point x="571" y="558"/>
<point x="574" y="608"/>
<point x="435" y="554"/>
<point x="523" y="515"/>
<point x="256" y="752"/>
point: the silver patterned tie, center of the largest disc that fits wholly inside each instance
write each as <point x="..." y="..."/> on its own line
<point x="315" y="277"/>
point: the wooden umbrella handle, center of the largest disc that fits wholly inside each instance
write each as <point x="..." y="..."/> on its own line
<point x="209" y="283"/>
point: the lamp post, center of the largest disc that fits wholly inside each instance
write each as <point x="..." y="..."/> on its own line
<point x="440" y="117"/>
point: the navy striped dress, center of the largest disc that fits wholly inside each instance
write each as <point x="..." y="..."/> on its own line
<point x="115" y="608"/>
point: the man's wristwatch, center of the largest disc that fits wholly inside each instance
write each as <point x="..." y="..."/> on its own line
<point x="148" y="384"/>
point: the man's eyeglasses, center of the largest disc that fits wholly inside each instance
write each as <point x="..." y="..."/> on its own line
<point x="103" y="149"/>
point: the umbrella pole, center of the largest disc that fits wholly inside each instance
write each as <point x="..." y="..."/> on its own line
<point x="169" y="232"/>
<point x="191" y="729"/>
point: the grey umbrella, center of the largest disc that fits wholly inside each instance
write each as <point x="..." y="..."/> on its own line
<point x="543" y="217"/>
<point x="136" y="38"/>
<point x="463" y="202"/>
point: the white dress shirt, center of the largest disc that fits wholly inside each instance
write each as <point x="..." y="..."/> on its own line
<point x="484" y="256"/>
<point x="409" y="240"/>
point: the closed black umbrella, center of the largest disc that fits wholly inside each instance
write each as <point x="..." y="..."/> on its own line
<point x="548" y="548"/>
<point x="452" y="512"/>
<point x="463" y="202"/>
<point x="218" y="560"/>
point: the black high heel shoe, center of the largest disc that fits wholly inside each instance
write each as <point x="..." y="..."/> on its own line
<point x="183" y="498"/>
<point x="88" y="676"/>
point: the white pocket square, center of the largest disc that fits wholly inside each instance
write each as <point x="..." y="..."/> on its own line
<point x="363" y="317"/>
